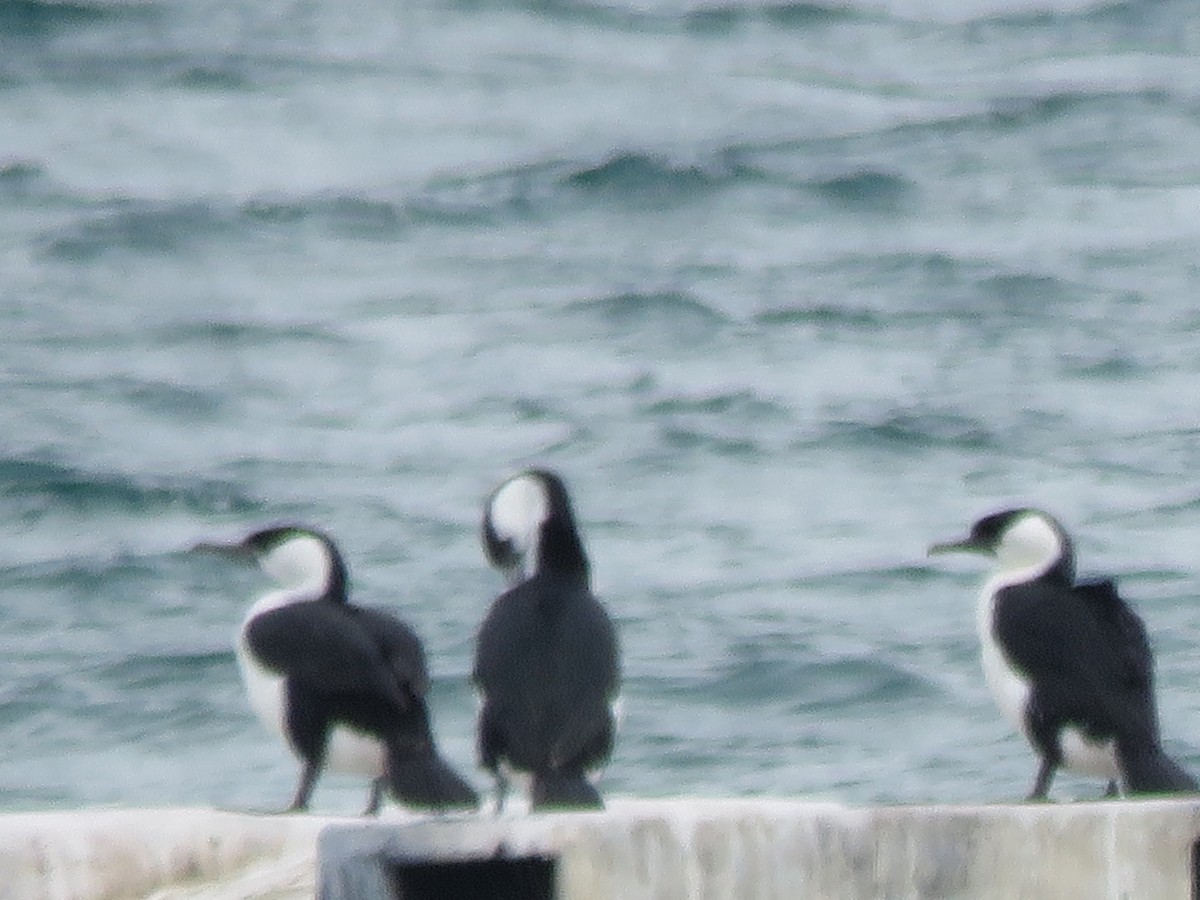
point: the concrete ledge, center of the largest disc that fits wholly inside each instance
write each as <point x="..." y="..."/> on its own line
<point x="680" y="849"/>
<point x="114" y="854"/>
<point x="767" y="849"/>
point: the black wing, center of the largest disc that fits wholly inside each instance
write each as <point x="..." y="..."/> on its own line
<point x="1125" y="630"/>
<point x="333" y="649"/>
<point x="1085" y="651"/>
<point x="400" y="646"/>
<point x="587" y="728"/>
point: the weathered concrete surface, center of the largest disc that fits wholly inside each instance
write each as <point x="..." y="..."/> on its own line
<point x="166" y="854"/>
<point x="781" y="850"/>
<point x="682" y="849"/>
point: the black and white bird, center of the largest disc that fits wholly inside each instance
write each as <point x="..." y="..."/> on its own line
<point x="1068" y="662"/>
<point x="343" y="685"/>
<point x="546" y="658"/>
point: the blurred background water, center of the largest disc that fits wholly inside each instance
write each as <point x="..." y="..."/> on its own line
<point x="785" y="290"/>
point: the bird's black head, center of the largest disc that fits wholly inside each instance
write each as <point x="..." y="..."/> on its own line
<point x="297" y="557"/>
<point x="528" y="526"/>
<point x="1021" y="539"/>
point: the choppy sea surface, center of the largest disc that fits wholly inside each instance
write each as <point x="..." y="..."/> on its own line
<point x="785" y="290"/>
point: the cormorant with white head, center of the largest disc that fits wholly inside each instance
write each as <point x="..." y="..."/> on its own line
<point x="344" y="685"/>
<point x="1068" y="662"/>
<point x="546" y="658"/>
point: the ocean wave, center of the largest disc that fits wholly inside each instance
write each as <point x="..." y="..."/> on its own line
<point x="841" y="172"/>
<point x="173" y="227"/>
<point x="81" y="573"/>
<point x="1018" y="13"/>
<point x="153" y="63"/>
<point x="546" y="189"/>
<point x="1038" y="13"/>
<point x="17" y="176"/>
<point x="167" y="398"/>
<point x="824" y="315"/>
<point x="732" y="423"/>
<point x="40" y="18"/>
<point x="999" y="105"/>
<point x="1113" y="365"/>
<point x="1025" y="294"/>
<point x="57" y="485"/>
<point x="135" y="225"/>
<point x="147" y="697"/>
<point x="805" y="684"/>
<point x="659" y="179"/>
<point x="719" y="18"/>
<point x="637" y="178"/>
<point x="1051" y="102"/>
<point x="212" y="76"/>
<point x="932" y="288"/>
<point x="867" y="189"/>
<point x="245" y="334"/>
<point x="705" y="17"/>
<point x="726" y="404"/>
<point x="912" y="429"/>
<point x="865" y="582"/>
<point x="646" y="178"/>
<point x="23" y="697"/>
<point x="142" y="671"/>
<point x="683" y="437"/>
<point x="348" y="215"/>
<point x="484" y="199"/>
<point x="676" y="315"/>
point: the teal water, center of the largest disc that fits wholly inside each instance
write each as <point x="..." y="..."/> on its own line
<point x="786" y="291"/>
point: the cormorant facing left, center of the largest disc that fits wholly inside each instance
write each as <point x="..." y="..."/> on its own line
<point x="1068" y="662"/>
<point x="344" y="685"/>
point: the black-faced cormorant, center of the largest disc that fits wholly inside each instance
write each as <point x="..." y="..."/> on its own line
<point x="1068" y="662"/>
<point x="344" y="685"/>
<point x="546" y="658"/>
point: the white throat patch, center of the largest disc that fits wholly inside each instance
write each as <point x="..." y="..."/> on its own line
<point x="301" y="564"/>
<point x="1028" y="547"/>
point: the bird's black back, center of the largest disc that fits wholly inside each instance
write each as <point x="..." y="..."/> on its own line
<point x="1086" y="654"/>
<point x="546" y="663"/>
<point x="354" y="665"/>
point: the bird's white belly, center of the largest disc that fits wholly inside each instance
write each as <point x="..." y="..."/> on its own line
<point x="348" y="751"/>
<point x="1009" y="688"/>
<point x="264" y="689"/>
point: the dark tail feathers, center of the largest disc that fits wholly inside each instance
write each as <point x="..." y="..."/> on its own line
<point x="423" y="780"/>
<point x="563" y="790"/>
<point x="1151" y="771"/>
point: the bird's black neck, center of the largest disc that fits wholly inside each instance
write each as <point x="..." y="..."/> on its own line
<point x="1062" y="571"/>
<point x="561" y="553"/>
<point x="336" y="587"/>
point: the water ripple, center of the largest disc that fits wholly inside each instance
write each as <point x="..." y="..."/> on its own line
<point x="912" y="430"/>
<point x="678" y="316"/>
<point x="41" y="18"/>
<point x="50" y="485"/>
<point x="814" y="686"/>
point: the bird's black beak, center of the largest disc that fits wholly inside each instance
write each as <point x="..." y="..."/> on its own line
<point x="966" y="545"/>
<point x="230" y="550"/>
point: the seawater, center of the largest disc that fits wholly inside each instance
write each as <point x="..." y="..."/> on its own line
<point x="786" y="292"/>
